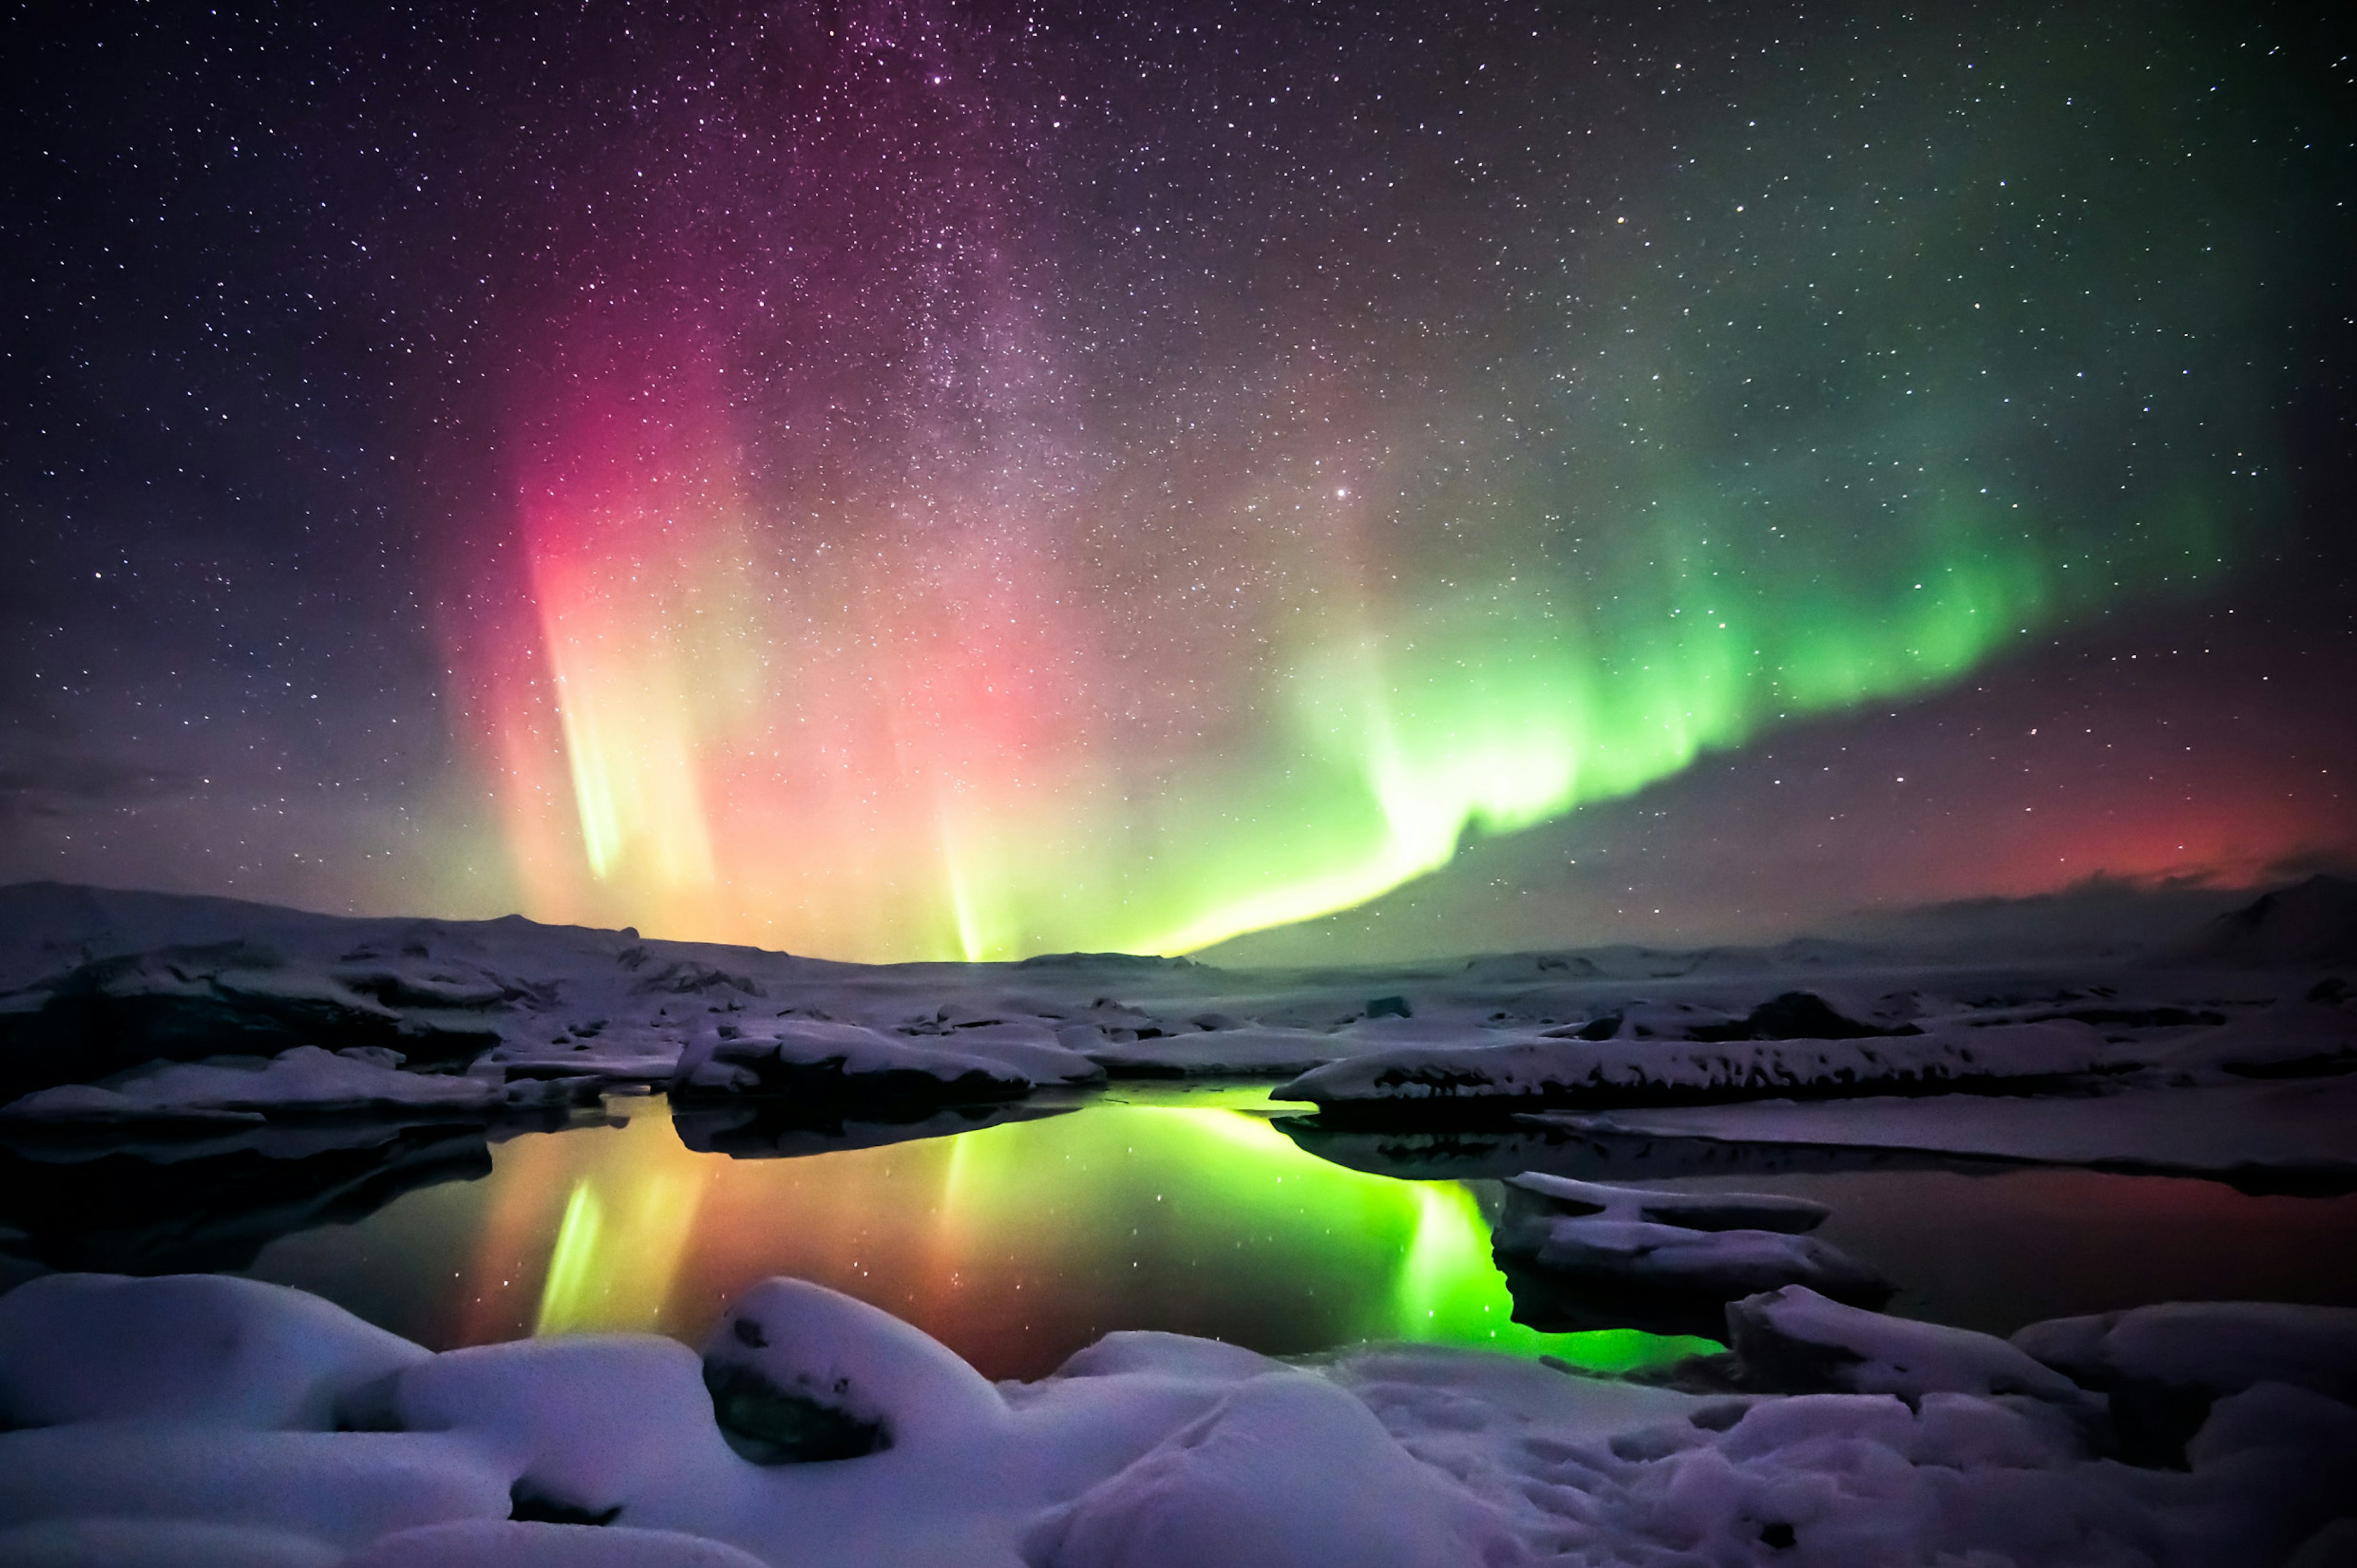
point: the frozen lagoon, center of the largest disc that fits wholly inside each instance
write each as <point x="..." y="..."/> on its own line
<point x="558" y="1208"/>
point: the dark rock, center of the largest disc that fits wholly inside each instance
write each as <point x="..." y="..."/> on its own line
<point x="526" y="1502"/>
<point x="770" y="1425"/>
<point x="1794" y="1016"/>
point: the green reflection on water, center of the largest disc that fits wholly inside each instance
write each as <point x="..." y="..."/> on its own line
<point x="1121" y="1215"/>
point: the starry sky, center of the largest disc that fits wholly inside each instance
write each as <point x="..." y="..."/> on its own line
<point x="901" y="480"/>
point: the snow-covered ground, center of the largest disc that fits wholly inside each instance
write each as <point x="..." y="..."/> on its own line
<point x="196" y="1420"/>
<point x="275" y="1013"/>
<point x="202" y="1418"/>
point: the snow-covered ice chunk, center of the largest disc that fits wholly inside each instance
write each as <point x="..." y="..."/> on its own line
<point x="824" y="1063"/>
<point x="1717" y="1265"/>
<point x="1595" y="1256"/>
<point x="2219" y="1347"/>
<point x="1536" y="1072"/>
<point x="195" y="1348"/>
<point x="1796" y="1339"/>
<point x="1695" y="1211"/>
<point x="2165" y="1367"/>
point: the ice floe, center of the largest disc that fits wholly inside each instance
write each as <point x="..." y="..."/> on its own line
<point x="1586" y="1255"/>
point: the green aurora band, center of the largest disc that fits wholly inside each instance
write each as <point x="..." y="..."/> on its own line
<point x="1943" y="342"/>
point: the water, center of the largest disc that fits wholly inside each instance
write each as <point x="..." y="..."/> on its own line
<point x="1017" y="1243"/>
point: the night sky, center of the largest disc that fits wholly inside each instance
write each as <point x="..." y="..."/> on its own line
<point x="903" y="481"/>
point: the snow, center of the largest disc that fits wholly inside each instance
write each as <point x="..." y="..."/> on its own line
<point x="208" y="1442"/>
<point x="1234" y="1051"/>
<point x="159" y="1543"/>
<point x="508" y="1543"/>
<point x="1286" y="1469"/>
<point x="1796" y="1338"/>
<point x="103" y="993"/>
<point x="1694" y="1210"/>
<point x="2291" y="1039"/>
<point x="2286" y="1131"/>
<point x="833" y="1063"/>
<point x="204" y="1420"/>
<point x="305" y="1079"/>
<point x="1695" y="1250"/>
<point x="344" y="1488"/>
<point x="1549" y="1072"/>
<point x="197" y="1347"/>
<point x="2218" y="1347"/>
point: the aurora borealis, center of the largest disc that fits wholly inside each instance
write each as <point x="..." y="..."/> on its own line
<point x="930" y="482"/>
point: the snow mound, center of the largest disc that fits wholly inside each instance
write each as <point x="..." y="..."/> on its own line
<point x="1286" y="1470"/>
<point x="195" y="1348"/>
<point x="587" y="1428"/>
<point x="1574" y="1072"/>
<point x="206" y="1447"/>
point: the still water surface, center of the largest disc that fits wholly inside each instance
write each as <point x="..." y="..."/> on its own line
<point x="1015" y="1244"/>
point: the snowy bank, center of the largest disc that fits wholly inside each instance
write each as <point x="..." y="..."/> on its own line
<point x="98" y="987"/>
<point x="208" y="1421"/>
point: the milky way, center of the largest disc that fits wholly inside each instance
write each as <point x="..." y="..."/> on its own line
<point x="893" y="482"/>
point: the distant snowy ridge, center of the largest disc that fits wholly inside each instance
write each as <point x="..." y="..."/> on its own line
<point x="1600" y="1073"/>
<point x="2314" y="922"/>
<point x="106" y="990"/>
